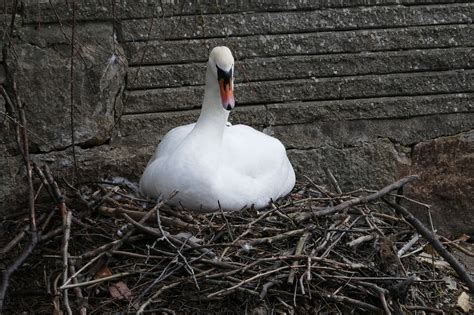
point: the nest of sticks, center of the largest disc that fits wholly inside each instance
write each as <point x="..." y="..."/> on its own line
<point x="103" y="249"/>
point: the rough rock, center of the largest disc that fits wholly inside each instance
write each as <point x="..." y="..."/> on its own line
<point x="12" y="180"/>
<point x="159" y="52"/>
<point x="343" y="133"/>
<point x="41" y="59"/>
<point x="249" y="23"/>
<point x="350" y="87"/>
<point x="36" y="11"/>
<point x="370" y="108"/>
<point x="298" y="67"/>
<point x="11" y="172"/>
<point x="2" y="73"/>
<point x="102" y="162"/>
<point x="446" y="167"/>
<point x="369" y="164"/>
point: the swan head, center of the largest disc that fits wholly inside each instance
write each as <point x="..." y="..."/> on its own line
<point x="221" y="62"/>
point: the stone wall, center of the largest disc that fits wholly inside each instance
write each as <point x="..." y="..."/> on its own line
<point x="372" y="89"/>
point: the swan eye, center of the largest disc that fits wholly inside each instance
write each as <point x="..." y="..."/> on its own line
<point x="225" y="75"/>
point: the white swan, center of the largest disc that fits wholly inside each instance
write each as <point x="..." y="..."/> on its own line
<point x="214" y="165"/>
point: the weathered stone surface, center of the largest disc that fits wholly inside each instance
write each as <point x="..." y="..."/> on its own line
<point x="369" y="164"/>
<point x="35" y="11"/>
<point x="343" y="133"/>
<point x="446" y="167"/>
<point x="298" y="67"/>
<point x="248" y="23"/>
<point x="309" y="89"/>
<point x="12" y="184"/>
<point x="40" y="64"/>
<point x="40" y="11"/>
<point x="4" y="19"/>
<point x="150" y="128"/>
<point x="158" y="52"/>
<point x="371" y="108"/>
<point x="102" y="162"/>
<point x="2" y="74"/>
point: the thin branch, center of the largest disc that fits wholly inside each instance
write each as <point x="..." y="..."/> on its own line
<point x="352" y="202"/>
<point x="65" y="246"/>
<point x="433" y="240"/>
<point x="24" y="144"/>
<point x="228" y="290"/>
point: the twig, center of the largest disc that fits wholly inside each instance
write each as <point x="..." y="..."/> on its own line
<point x="78" y="291"/>
<point x="457" y="246"/>
<point x="57" y="195"/>
<point x="138" y="215"/>
<point x="14" y="241"/>
<point x="95" y="281"/>
<point x="74" y="275"/>
<point x="424" y="308"/>
<point x="278" y="237"/>
<point x="332" y="180"/>
<point x="65" y="246"/>
<point x="298" y="251"/>
<point x="360" y="240"/>
<point x="408" y="245"/>
<point x="228" y="290"/>
<point x="24" y="145"/>
<point x="347" y="300"/>
<point x="157" y="293"/>
<point x="358" y="200"/>
<point x="432" y="239"/>
<point x="13" y="267"/>
<point x="189" y="268"/>
<point x="157" y="233"/>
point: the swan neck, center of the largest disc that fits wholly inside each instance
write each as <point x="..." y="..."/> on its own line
<point x="213" y="117"/>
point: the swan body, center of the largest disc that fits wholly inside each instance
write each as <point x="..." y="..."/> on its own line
<point x="211" y="164"/>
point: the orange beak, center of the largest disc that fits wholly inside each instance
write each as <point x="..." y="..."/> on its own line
<point x="227" y="95"/>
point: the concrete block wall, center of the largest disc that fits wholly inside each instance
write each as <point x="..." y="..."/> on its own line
<point x="355" y="86"/>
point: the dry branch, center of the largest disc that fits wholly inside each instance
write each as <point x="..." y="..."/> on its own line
<point x="433" y="240"/>
<point x="359" y="200"/>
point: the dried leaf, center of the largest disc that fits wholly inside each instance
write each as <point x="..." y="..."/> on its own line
<point x="103" y="272"/>
<point x="463" y="302"/>
<point x="120" y="291"/>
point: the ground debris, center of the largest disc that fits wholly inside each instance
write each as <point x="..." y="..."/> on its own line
<point x="315" y="251"/>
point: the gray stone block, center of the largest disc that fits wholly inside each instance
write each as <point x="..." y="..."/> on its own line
<point x="2" y="74"/>
<point x="298" y="67"/>
<point x="308" y="89"/>
<point x="42" y="12"/>
<point x="40" y="64"/>
<point x="370" y="164"/>
<point x="346" y="133"/>
<point x="250" y="23"/>
<point x="371" y="108"/>
<point x="55" y="11"/>
<point x="159" y="52"/>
